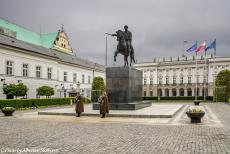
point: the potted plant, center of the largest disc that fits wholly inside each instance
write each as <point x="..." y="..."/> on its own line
<point x="196" y="102"/>
<point x="8" y="111"/>
<point x="195" y="115"/>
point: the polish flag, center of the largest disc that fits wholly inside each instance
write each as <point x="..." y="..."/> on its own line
<point x="201" y="47"/>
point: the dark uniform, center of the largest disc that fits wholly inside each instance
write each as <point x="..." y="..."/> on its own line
<point x="104" y="105"/>
<point x="128" y="38"/>
<point x="79" y="105"/>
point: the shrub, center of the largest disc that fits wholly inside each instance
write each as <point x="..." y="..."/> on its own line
<point x="8" y="109"/>
<point x="45" y="91"/>
<point x="210" y="98"/>
<point x="27" y="103"/>
<point x="12" y="90"/>
<point x="223" y="86"/>
<point x="98" y="87"/>
<point x="86" y="100"/>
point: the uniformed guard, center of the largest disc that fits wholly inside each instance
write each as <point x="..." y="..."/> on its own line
<point x="79" y="104"/>
<point x="104" y="104"/>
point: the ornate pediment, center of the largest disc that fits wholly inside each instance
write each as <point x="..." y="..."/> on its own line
<point x="62" y="42"/>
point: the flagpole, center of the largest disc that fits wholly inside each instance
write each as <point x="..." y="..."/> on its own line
<point x="196" y="78"/>
<point x="205" y="71"/>
<point x="214" y="78"/>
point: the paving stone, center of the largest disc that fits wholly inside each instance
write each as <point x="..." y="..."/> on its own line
<point x="102" y="137"/>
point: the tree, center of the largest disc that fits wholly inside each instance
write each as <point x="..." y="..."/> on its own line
<point x="223" y="86"/>
<point x="98" y="87"/>
<point x="12" y="90"/>
<point x="45" y="91"/>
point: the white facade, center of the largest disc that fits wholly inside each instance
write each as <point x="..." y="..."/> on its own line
<point x="18" y="57"/>
<point x="181" y="77"/>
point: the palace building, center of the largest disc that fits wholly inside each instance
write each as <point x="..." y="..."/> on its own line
<point x="184" y="76"/>
<point x="43" y="59"/>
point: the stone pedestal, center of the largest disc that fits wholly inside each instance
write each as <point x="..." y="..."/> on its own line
<point x="124" y="88"/>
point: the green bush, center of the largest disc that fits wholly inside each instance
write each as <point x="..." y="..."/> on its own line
<point x="86" y="100"/>
<point x="8" y="109"/>
<point x="210" y="98"/>
<point x="12" y="90"/>
<point x="45" y="91"/>
<point x="98" y="87"/>
<point x="222" y="91"/>
<point x="27" y="103"/>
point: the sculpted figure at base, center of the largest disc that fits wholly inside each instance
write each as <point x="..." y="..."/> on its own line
<point x="124" y="46"/>
<point x="79" y="108"/>
<point x="104" y="104"/>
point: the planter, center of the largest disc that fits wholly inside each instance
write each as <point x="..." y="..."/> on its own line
<point x="8" y="111"/>
<point x="196" y="102"/>
<point x="195" y="116"/>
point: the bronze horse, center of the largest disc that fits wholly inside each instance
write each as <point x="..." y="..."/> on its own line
<point x="123" y="49"/>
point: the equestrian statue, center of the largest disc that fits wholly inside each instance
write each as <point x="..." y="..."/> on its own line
<point x="124" y="46"/>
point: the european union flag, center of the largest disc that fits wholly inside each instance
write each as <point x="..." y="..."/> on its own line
<point x="212" y="46"/>
<point x="192" y="48"/>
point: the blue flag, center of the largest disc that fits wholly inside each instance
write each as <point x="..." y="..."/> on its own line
<point x="212" y="46"/>
<point x="192" y="48"/>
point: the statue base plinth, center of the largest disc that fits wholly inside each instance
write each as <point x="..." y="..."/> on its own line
<point x="124" y="89"/>
<point x="125" y="106"/>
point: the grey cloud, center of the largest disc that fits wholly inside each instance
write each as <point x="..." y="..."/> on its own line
<point x="158" y="27"/>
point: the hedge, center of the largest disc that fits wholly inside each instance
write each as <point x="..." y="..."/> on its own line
<point x="210" y="98"/>
<point x="27" y="103"/>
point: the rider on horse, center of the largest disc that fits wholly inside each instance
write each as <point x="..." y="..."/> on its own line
<point x="124" y="46"/>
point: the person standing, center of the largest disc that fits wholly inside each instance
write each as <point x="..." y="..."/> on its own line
<point x="79" y="108"/>
<point x="104" y="104"/>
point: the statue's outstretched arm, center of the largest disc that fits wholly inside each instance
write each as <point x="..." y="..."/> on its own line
<point x="111" y="34"/>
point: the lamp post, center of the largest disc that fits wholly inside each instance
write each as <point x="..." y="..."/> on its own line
<point x="78" y="86"/>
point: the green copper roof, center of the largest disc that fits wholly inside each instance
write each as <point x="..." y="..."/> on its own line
<point x="23" y="34"/>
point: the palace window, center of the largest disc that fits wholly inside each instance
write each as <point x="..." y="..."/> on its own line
<point x="49" y="73"/>
<point x="145" y="81"/>
<point x="75" y="77"/>
<point x="38" y="71"/>
<point x="65" y="76"/>
<point x="204" y="79"/>
<point x="89" y="79"/>
<point x="181" y="80"/>
<point x="167" y="79"/>
<point x="25" y="70"/>
<point x="189" y="79"/>
<point x="160" y="80"/>
<point x="151" y="81"/>
<point x="151" y="93"/>
<point x="83" y="78"/>
<point x="144" y="93"/>
<point x="9" y="68"/>
<point x="174" y="79"/>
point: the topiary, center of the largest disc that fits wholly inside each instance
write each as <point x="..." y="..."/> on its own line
<point x="98" y="87"/>
<point x="222" y="90"/>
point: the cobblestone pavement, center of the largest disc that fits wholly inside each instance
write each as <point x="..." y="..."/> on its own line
<point x="107" y="137"/>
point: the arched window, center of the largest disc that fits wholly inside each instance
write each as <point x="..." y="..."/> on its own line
<point x="174" y="93"/>
<point x="159" y="92"/>
<point x="189" y="92"/>
<point x="181" y="91"/>
<point x="166" y="92"/>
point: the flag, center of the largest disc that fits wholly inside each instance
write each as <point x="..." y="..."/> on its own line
<point x="201" y="47"/>
<point x="192" y="48"/>
<point x="212" y="46"/>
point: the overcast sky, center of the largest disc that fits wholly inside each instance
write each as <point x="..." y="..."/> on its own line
<point x="158" y="26"/>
